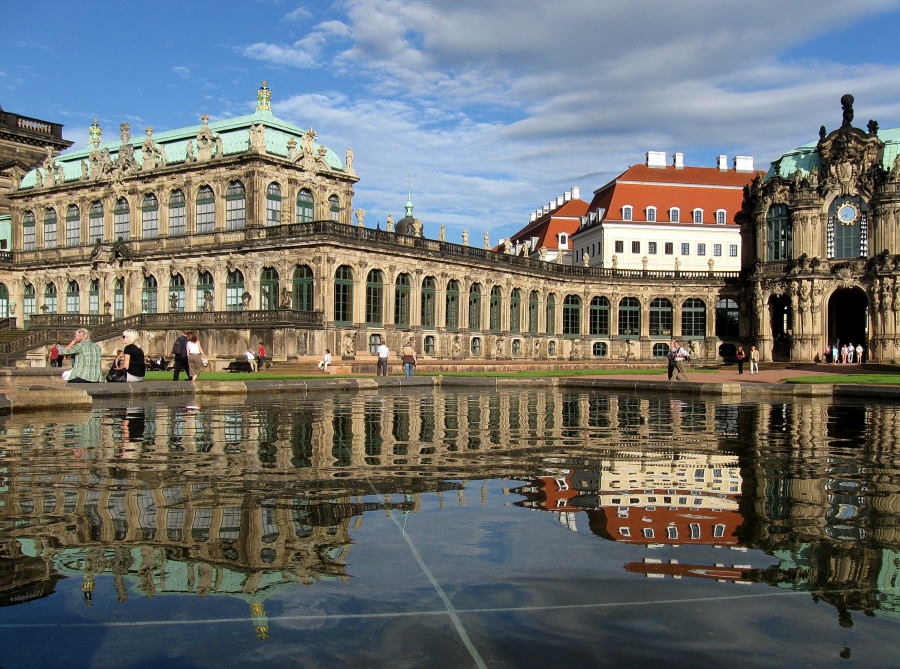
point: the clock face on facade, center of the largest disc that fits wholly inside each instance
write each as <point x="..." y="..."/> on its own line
<point x="847" y="213"/>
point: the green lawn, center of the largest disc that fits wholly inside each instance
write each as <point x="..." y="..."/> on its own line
<point x="865" y="379"/>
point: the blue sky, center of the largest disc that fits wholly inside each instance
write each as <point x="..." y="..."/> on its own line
<point x="490" y="108"/>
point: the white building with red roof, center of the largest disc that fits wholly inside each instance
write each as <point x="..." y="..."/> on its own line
<point x="658" y="216"/>
<point x="550" y="227"/>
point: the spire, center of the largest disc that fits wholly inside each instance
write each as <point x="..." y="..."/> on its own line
<point x="409" y="204"/>
<point x="264" y="96"/>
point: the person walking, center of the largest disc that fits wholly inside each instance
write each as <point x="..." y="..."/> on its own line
<point x="179" y="352"/>
<point x="383" y="354"/>
<point x="754" y="360"/>
<point x="250" y="359"/>
<point x="86" y="368"/>
<point x="740" y="359"/>
<point x="679" y="355"/>
<point x="851" y="351"/>
<point x="408" y="356"/>
<point x="325" y="361"/>
<point x="261" y="358"/>
<point x="195" y="356"/>
<point x="859" y="354"/>
<point x="54" y="356"/>
<point x="133" y="361"/>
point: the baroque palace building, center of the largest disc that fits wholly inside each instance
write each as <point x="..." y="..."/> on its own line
<point x="244" y="230"/>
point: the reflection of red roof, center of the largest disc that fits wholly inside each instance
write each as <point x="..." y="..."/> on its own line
<point x="675" y="526"/>
<point x="688" y="188"/>
<point x="547" y="228"/>
<point x="718" y="573"/>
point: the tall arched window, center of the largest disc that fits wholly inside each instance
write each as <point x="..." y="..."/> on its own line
<point x="150" y="217"/>
<point x="273" y="204"/>
<point x="661" y="318"/>
<point x="475" y="307"/>
<point x="28" y="306"/>
<point x="534" y="305"/>
<point x="235" y="206"/>
<point x="515" y="311"/>
<point x="551" y="314"/>
<point x="599" y="317"/>
<point x="495" y="309"/>
<point x="122" y="220"/>
<point x="779" y="233"/>
<point x="728" y="319"/>
<point x="95" y="223"/>
<point x="176" y="293"/>
<point x="629" y="317"/>
<point x="375" y="298"/>
<point x="177" y="213"/>
<point x="305" y="206"/>
<point x="73" y="226"/>
<point x="73" y="298"/>
<point x="429" y="302"/>
<point x="28" y="231"/>
<point x="571" y="315"/>
<point x="268" y="289"/>
<point x="452" y="315"/>
<point x="94" y="297"/>
<point x="343" y="295"/>
<point x="234" y="291"/>
<point x="334" y="206"/>
<point x="693" y="318"/>
<point x="149" y="295"/>
<point x="302" y="289"/>
<point x="402" y="301"/>
<point x="206" y="291"/>
<point x="50" y="298"/>
<point x="206" y="210"/>
<point x="4" y="301"/>
<point x="119" y="298"/>
<point x="50" y="229"/>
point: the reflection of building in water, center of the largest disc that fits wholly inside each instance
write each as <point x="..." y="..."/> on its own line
<point x="649" y="498"/>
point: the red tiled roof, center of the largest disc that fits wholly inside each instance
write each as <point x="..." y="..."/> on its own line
<point x="547" y="228"/>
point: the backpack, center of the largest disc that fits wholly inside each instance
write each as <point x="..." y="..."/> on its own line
<point x="179" y="348"/>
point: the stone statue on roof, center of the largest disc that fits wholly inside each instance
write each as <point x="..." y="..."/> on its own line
<point x="205" y="140"/>
<point x="257" y="138"/>
<point x="95" y="131"/>
<point x="487" y="240"/>
<point x="348" y="161"/>
<point x="264" y="98"/>
<point x="389" y="225"/>
<point x="847" y="106"/>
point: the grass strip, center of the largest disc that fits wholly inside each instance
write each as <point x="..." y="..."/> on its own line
<point x="862" y="379"/>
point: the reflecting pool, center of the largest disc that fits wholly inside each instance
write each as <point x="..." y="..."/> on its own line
<point x="414" y="528"/>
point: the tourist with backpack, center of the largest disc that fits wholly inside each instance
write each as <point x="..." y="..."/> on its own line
<point x="180" y="353"/>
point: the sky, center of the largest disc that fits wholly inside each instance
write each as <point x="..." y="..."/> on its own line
<point x="485" y="109"/>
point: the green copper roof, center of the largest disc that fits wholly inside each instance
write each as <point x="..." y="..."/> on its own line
<point x="806" y="157"/>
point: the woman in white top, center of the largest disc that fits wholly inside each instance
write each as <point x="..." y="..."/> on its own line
<point x="195" y="356"/>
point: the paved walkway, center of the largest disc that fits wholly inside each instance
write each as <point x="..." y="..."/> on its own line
<point x="768" y="373"/>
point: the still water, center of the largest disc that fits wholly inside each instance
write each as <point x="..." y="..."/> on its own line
<point x="451" y="529"/>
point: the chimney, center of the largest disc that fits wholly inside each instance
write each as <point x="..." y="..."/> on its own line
<point x="532" y="217"/>
<point x="546" y="209"/>
<point x="567" y="196"/>
<point x="559" y="200"/>
<point x="722" y="163"/>
<point x="576" y="192"/>
<point x="678" y="161"/>
<point x="656" y="159"/>
<point x="743" y="164"/>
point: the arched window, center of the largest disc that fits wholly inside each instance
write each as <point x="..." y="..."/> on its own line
<point x="234" y="291"/>
<point x="343" y="295"/>
<point x="28" y="306"/>
<point x="728" y="319"/>
<point x="235" y="206"/>
<point x="693" y="318"/>
<point x="206" y="291"/>
<point x="73" y="226"/>
<point x="94" y="297"/>
<point x="305" y="206"/>
<point x="206" y="210"/>
<point x="119" y="299"/>
<point x="496" y="306"/>
<point x="847" y="233"/>
<point x="627" y="212"/>
<point x="149" y="295"/>
<point x="779" y="233"/>
<point x="150" y="217"/>
<point x="534" y="304"/>
<point x="73" y="298"/>
<point x="476" y="346"/>
<point x="721" y="217"/>
<point x="273" y="204"/>
<point x="629" y="317"/>
<point x="375" y="298"/>
<point x="50" y="229"/>
<point x="452" y="315"/>
<point x="402" y="301"/>
<point x="28" y="231"/>
<point x="95" y="223"/>
<point x="515" y="311"/>
<point x="268" y="289"/>
<point x="674" y="215"/>
<point x="122" y="220"/>
<point x="429" y="302"/>
<point x="571" y="315"/>
<point x="303" y="289"/>
<point x="4" y="301"/>
<point x="599" y="317"/>
<point x="334" y="206"/>
<point x="551" y="314"/>
<point x="176" y="213"/>
<point x="661" y="318"/>
<point x="651" y="214"/>
<point x="50" y="298"/>
<point x="698" y="216"/>
<point x="475" y="307"/>
<point x="176" y="293"/>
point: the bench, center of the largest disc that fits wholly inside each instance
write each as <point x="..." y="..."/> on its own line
<point x="239" y="366"/>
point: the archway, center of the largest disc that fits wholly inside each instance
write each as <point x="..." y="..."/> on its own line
<point x="782" y="324"/>
<point x="848" y="317"/>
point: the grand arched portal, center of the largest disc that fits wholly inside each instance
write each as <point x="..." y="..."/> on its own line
<point x="848" y="317"/>
<point x="781" y="322"/>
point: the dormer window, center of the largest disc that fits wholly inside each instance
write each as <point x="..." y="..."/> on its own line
<point x="674" y="215"/>
<point x="651" y="214"/>
<point x="626" y="212"/>
<point x="720" y="217"/>
<point x="563" y="240"/>
<point x="698" y="216"/>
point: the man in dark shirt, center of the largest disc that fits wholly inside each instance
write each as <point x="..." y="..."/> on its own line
<point x="179" y="351"/>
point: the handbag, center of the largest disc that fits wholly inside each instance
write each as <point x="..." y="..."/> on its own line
<point x="204" y="361"/>
<point x="116" y="376"/>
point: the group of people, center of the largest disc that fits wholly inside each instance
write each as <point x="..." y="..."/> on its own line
<point x="260" y="359"/>
<point x="189" y="356"/>
<point x="845" y="354"/>
<point x="407" y="357"/>
<point x="754" y="359"/>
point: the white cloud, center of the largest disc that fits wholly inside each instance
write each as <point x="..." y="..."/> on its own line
<point x="182" y="72"/>
<point x="299" y="14"/>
